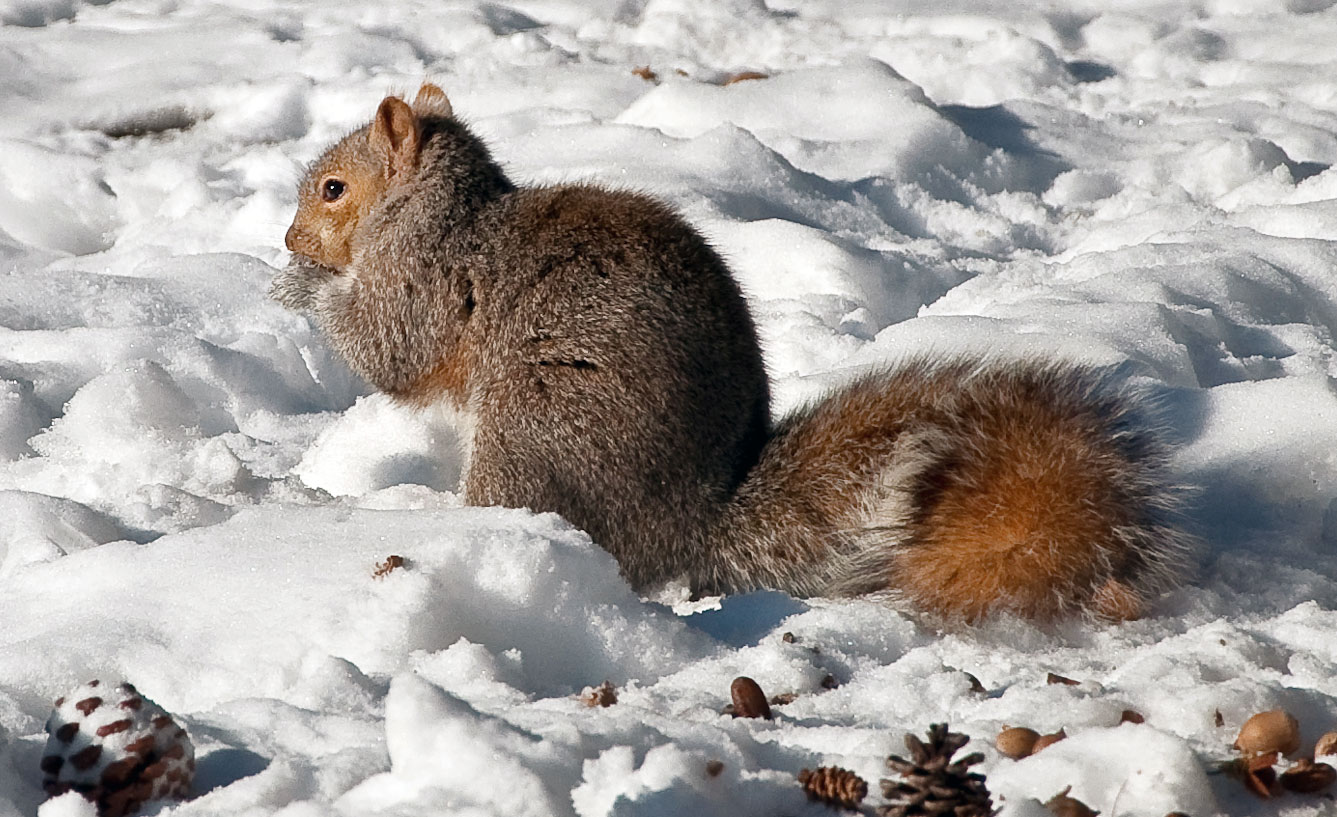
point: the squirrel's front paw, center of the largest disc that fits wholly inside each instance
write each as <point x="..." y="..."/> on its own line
<point x="297" y="284"/>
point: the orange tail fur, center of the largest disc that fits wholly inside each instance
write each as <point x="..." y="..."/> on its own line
<point x="966" y="489"/>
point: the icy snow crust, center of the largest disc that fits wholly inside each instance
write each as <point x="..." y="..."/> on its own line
<point x="195" y="494"/>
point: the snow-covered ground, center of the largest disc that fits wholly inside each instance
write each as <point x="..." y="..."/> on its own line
<point x="196" y="492"/>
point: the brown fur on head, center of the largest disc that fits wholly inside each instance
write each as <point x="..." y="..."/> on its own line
<point x="344" y="184"/>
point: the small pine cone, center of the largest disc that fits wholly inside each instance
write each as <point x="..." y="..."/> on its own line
<point x="932" y="784"/>
<point x="117" y="748"/>
<point x="834" y="786"/>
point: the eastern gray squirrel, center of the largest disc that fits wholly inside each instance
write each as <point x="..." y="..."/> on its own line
<point x="613" y="375"/>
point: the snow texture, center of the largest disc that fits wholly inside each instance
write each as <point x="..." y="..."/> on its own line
<point x="196" y="494"/>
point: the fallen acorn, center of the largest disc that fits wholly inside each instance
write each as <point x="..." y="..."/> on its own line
<point x="748" y="699"/>
<point x="1273" y="731"/>
<point x="1064" y="806"/>
<point x="1308" y="777"/>
<point x="1016" y="742"/>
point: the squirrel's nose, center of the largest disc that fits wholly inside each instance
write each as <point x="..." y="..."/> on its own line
<point x="290" y="238"/>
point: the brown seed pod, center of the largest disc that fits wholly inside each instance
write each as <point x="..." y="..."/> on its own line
<point x="1045" y="741"/>
<point x="1064" y="806"/>
<point x="1326" y="745"/>
<point x="1273" y="731"/>
<point x="1131" y="716"/>
<point x="748" y="699"/>
<point x="1308" y="777"/>
<point x="1016" y="742"/>
<point x="1054" y="678"/>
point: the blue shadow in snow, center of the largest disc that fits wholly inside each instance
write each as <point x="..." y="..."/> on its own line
<point x="223" y="767"/>
<point x="742" y="621"/>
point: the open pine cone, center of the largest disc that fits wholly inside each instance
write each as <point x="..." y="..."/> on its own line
<point x="932" y="784"/>
<point x="117" y="748"/>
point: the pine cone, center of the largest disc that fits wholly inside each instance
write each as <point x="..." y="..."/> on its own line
<point x="834" y="786"/>
<point x="117" y="748"/>
<point x="933" y="784"/>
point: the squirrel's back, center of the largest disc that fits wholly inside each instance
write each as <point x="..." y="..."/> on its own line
<point x="617" y="377"/>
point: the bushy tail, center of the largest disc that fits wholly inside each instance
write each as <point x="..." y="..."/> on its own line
<point x="965" y="488"/>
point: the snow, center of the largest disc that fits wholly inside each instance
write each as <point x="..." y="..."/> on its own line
<point x="198" y="498"/>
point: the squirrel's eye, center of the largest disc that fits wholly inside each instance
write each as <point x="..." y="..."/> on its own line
<point x="332" y="189"/>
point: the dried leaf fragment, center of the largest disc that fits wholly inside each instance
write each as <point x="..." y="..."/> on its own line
<point x="603" y="695"/>
<point x="1131" y="716"/>
<point x="391" y="563"/>
<point x="1308" y="777"/>
<point x="1256" y="773"/>
<point x="1055" y="678"/>
<point x="714" y="767"/>
<point x="645" y="73"/>
<point x="744" y="76"/>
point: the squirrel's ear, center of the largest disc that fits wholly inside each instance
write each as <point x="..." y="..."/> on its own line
<point x="432" y="101"/>
<point x="395" y="135"/>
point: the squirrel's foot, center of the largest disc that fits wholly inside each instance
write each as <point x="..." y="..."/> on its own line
<point x="296" y="285"/>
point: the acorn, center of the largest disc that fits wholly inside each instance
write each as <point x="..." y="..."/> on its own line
<point x="1016" y="742"/>
<point x="1273" y="731"/>
<point x="748" y="699"/>
<point x="1062" y="805"/>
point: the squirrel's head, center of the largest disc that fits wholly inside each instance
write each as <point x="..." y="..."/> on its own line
<point x="343" y="185"/>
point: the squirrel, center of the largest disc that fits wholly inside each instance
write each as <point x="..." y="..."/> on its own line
<point x="611" y="373"/>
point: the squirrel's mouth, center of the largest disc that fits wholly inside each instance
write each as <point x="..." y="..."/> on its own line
<point x="306" y="262"/>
